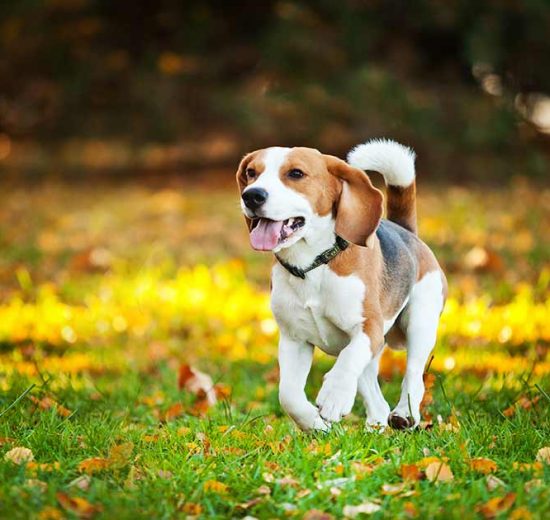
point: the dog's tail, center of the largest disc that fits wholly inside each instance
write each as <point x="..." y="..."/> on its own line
<point x="396" y="163"/>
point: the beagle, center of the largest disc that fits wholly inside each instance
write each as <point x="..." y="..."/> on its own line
<point x="344" y="279"/>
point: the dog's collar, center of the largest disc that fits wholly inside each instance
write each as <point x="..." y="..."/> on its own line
<point x="324" y="258"/>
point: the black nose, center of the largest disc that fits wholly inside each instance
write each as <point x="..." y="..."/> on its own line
<point x="254" y="198"/>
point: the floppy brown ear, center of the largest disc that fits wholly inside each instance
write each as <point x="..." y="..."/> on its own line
<point x="359" y="208"/>
<point x="241" y="180"/>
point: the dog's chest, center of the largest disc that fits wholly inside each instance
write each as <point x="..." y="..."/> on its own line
<point x="324" y="309"/>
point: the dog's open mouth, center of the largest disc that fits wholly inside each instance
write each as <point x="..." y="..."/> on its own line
<point x="267" y="234"/>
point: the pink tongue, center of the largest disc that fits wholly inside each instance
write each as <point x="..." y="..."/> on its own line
<point x="265" y="236"/>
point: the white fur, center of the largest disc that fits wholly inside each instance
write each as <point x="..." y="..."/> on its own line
<point x="325" y="310"/>
<point x="282" y="202"/>
<point x="376" y="405"/>
<point x="393" y="160"/>
<point x="420" y="320"/>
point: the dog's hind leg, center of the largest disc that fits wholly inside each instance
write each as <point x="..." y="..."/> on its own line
<point x="420" y="320"/>
<point x="377" y="407"/>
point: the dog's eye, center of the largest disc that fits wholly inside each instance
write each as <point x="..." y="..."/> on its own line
<point x="295" y="174"/>
<point x="251" y="173"/>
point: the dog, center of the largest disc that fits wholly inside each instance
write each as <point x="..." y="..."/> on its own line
<point x="345" y="279"/>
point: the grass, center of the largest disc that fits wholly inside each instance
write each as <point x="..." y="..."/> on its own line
<point x="107" y="387"/>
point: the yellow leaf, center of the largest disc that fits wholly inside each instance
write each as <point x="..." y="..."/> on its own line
<point x="19" y="455"/>
<point x="78" y="506"/>
<point x="410" y="472"/>
<point x="439" y="472"/>
<point x="51" y="513"/>
<point x="497" y="505"/>
<point x="120" y="454"/>
<point x="93" y="465"/>
<point x="521" y="513"/>
<point x="192" y="509"/>
<point x="214" y="486"/>
<point x="482" y="465"/>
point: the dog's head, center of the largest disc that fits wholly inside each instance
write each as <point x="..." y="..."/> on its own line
<point x="286" y="191"/>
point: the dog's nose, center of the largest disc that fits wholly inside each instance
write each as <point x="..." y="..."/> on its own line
<point x="254" y="198"/>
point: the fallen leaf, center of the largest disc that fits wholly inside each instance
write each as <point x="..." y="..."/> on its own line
<point x="83" y="482"/>
<point x="165" y="474"/>
<point x="497" y="505"/>
<point x="521" y="513"/>
<point x="410" y="472"/>
<point x="46" y="403"/>
<point x="367" y="508"/>
<point x="250" y="503"/>
<point x="439" y="472"/>
<point x="19" y="455"/>
<point x="315" y="514"/>
<point x="78" y="506"/>
<point x="93" y="465"/>
<point x="287" y="481"/>
<point x="482" y="465"/>
<point x="190" y="508"/>
<point x="493" y="482"/>
<point x="214" y="486"/>
<point x="410" y="510"/>
<point x="543" y="455"/>
<point x="6" y="440"/>
<point x="196" y="382"/>
<point x="51" y="513"/>
<point x="393" y="489"/>
<point x="175" y="411"/>
<point x="264" y="490"/>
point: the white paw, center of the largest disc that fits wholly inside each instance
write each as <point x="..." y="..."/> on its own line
<point x="336" y="396"/>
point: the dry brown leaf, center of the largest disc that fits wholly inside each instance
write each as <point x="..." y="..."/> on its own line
<point x="315" y="514"/>
<point x="483" y="465"/>
<point x="497" y="505"/>
<point x="78" y="506"/>
<point x="287" y="481"/>
<point x="19" y="455"/>
<point x="250" y="503"/>
<point x="175" y="411"/>
<point x="367" y="508"/>
<point x="46" y="403"/>
<point x="196" y="382"/>
<point x="192" y="509"/>
<point x="439" y="472"/>
<point x="93" y="465"/>
<point x="543" y="455"/>
<point x="6" y="440"/>
<point x="410" y="472"/>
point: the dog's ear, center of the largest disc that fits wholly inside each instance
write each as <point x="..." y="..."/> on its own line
<point x="359" y="208"/>
<point x="242" y="181"/>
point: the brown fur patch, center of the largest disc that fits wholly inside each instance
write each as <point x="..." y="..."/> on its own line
<point x="401" y="206"/>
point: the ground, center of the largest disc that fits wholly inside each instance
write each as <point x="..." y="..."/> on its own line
<point x="112" y="296"/>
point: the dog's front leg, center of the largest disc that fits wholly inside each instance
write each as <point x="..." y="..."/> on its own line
<point x="295" y="363"/>
<point x="337" y="394"/>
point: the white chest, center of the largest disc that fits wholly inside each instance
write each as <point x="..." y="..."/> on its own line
<point x="324" y="309"/>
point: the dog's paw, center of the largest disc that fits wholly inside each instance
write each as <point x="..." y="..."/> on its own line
<point x="402" y="421"/>
<point x="336" y="396"/>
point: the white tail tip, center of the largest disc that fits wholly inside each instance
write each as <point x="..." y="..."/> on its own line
<point x="393" y="160"/>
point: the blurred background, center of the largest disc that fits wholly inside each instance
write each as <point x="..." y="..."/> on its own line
<point x="95" y="86"/>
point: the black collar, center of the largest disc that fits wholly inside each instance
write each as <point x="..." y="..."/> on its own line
<point x="324" y="258"/>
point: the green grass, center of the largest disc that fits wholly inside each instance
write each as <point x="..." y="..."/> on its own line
<point x="174" y="466"/>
